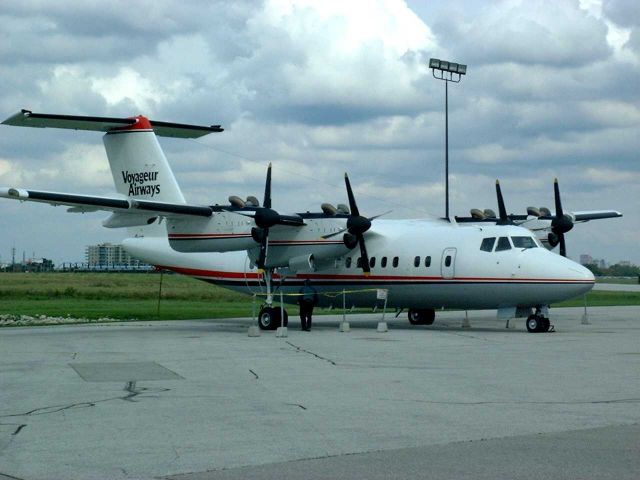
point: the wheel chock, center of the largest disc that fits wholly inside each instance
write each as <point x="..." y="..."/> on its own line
<point x="281" y="332"/>
<point x="382" y="327"/>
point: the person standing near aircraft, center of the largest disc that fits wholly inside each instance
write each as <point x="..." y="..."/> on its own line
<point x="307" y="300"/>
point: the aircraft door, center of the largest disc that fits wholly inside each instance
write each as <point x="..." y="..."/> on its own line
<point x="448" y="263"/>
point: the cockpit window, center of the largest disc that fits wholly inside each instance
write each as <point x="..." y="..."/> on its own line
<point x="524" y="242"/>
<point x="503" y="244"/>
<point x="487" y="244"/>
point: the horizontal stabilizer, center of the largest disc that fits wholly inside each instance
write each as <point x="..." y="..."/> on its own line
<point x="26" y="118"/>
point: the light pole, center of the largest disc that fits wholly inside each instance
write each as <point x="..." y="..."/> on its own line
<point x="449" y="72"/>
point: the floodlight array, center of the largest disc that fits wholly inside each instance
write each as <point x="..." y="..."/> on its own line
<point x="445" y="66"/>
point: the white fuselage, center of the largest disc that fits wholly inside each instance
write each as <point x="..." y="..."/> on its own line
<point x="459" y="274"/>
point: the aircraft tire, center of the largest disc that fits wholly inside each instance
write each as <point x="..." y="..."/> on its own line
<point x="546" y="325"/>
<point x="269" y="318"/>
<point x="421" y="316"/>
<point x="430" y="316"/>
<point x="415" y="317"/>
<point x="535" y="324"/>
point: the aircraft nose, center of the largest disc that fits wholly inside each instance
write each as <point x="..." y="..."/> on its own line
<point x="585" y="273"/>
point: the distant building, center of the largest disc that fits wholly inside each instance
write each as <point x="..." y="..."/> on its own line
<point x="38" y="265"/>
<point x="624" y="263"/>
<point x="601" y="263"/>
<point x="109" y="255"/>
<point x="586" y="259"/>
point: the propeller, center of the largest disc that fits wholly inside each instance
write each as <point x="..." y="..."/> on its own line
<point x="561" y="222"/>
<point x="357" y="225"/>
<point x="265" y="217"/>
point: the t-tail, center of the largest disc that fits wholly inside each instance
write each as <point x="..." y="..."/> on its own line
<point x="139" y="167"/>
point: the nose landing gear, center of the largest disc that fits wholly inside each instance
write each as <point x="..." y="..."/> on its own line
<point x="270" y="317"/>
<point x="537" y="323"/>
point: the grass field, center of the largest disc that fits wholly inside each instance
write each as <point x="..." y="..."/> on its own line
<point x="135" y="296"/>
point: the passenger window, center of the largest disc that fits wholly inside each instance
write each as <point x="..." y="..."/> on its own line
<point x="503" y="244"/>
<point x="524" y="242"/>
<point x="359" y="262"/>
<point x="347" y="262"/>
<point x="395" y="262"/>
<point x="427" y="261"/>
<point x="447" y="261"/>
<point x="383" y="262"/>
<point x="416" y="262"/>
<point x="372" y="262"/>
<point x="487" y="244"/>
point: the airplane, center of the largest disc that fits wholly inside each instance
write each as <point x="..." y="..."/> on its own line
<point x="423" y="264"/>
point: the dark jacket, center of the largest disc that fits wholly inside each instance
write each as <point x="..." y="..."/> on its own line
<point x="308" y="294"/>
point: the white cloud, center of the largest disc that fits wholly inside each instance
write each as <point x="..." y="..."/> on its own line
<point x="320" y="88"/>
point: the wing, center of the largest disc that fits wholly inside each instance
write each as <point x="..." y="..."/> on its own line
<point x="594" y="215"/>
<point x="131" y="207"/>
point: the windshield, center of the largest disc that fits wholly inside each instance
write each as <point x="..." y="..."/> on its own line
<point x="524" y="242"/>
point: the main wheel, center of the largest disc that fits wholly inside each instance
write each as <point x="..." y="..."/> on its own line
<point x="421" y="316"/>
<point x="269" y="318"/>
<point x="415" y="317"/>
<point x="429" y="316"/>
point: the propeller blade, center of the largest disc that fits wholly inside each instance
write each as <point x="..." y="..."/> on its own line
<point x="556" y="192"/>
<point x="364" y="257"/>
<point x="335" y="233"/>
<point x="504" y="219"/>
<point x="380" y="215"/>
<point x="352" y="201"/>
<point x="267" y="189"/>
<point x="561" y="223"/>
<point x="563" y="246"/>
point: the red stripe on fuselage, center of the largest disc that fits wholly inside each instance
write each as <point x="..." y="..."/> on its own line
<point x="254" y="276"/>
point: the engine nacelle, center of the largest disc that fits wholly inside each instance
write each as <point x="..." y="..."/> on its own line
<point x="120" y="220"/>
<point x="302" y="264"/>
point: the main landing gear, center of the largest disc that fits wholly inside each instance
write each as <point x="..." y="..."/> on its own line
<point x="537" y="322"/>
<point x="270" y="317"/>
<point x="424" y="316"/>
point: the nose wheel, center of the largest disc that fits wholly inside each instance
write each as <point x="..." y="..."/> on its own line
<point x="537" y="323"/>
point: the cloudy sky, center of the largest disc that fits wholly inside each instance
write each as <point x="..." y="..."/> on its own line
<point x="324" y="87"/>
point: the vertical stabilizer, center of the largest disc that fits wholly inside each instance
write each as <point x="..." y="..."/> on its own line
<point x="138" y="164"/>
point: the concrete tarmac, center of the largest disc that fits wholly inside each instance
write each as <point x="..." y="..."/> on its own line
<point x="202" y="400"/>
<point x="617" y="287"/>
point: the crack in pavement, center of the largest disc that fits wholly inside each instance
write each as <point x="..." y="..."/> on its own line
<point x="6" y="476"/>
<point x="296" y="405"/>
<point x="300" y="349"/>
<point x="254" y="374"/>
<point x="129" y="387"/>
